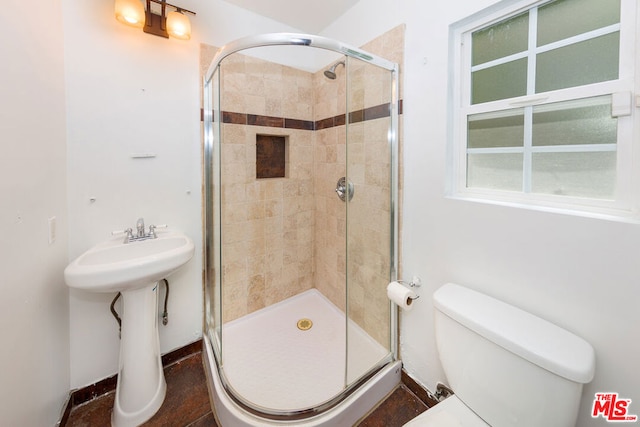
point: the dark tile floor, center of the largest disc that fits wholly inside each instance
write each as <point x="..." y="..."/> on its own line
<point x="187" y="403"/>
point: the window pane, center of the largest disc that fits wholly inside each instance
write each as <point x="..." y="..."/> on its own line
<point x="590" y="61"/>
<point x="591" y="174"/>
<point x="500" y="82"/>
<point x="585" y="121"/>
<point x="499" y="40"/>
<point x="501" y="171"/>
<point x="567" y="18"/>
<point x="499" y="129"/>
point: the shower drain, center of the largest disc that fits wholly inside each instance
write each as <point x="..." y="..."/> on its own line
<point x="305" y="324"/>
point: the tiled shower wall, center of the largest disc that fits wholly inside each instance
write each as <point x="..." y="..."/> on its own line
<point x="282" y="236"/>
<point x="267" y="223"/>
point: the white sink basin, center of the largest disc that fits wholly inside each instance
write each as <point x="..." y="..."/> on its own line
<point x="113" y="266"/>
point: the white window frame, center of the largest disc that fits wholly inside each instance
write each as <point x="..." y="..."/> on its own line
<point x="625" y="203"/>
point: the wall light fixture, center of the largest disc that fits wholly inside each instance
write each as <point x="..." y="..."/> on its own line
<point x="155" y="19"/>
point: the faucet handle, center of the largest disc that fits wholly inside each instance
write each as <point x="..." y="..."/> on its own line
<point x="153" y="228"/>
<point x="127" y="232"/>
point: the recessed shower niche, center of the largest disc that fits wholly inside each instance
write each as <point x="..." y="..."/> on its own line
<point x="271" y="156"/>
<point x="281" y="245"/>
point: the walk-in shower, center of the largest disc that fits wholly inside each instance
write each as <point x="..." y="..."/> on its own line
<point x="297" y="324"/>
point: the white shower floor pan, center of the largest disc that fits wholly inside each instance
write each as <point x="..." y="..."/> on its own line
<point x="272" y="364"/>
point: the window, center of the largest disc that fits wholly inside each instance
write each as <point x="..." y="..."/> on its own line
<point x="542" y="112"/>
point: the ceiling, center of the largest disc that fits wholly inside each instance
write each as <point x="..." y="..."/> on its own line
<point x="311" y="16"/>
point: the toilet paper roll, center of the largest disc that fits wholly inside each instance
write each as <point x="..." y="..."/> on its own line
<point x="401" y="295"/>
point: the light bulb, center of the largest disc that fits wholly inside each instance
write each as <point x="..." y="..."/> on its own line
<point x="130" y="12"/>
<point x="178" y="25"/>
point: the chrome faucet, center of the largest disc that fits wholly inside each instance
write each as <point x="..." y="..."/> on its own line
<point x="140" y="233"/>
<point x="140" y="227"/>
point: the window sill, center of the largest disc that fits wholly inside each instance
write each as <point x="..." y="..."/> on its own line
<point x="607" y="213"/>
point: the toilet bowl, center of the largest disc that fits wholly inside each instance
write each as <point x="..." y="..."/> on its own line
<point x="506" y="366"/>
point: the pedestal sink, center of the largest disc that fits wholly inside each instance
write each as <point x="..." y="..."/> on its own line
<point x="134" y="269"/>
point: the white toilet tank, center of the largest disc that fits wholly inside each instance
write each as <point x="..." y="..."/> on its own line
<point x="509" y="366"/>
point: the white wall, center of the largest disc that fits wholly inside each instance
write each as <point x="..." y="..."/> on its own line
<point x="365" y="21"/>
<point x="579" y="273"/>
<point x="219" y="23"/>
<point x="130" y="92"/>
<point x="34" y="361"/>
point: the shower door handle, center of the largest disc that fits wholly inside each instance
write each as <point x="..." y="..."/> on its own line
<point x="344" y="188"/>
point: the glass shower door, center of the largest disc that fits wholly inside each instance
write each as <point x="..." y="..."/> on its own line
<point x="370" y="231"/>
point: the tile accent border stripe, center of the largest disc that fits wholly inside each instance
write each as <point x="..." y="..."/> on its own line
<point x="371" y="113"/>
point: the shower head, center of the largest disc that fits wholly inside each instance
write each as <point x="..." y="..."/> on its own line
<point x="331" y="72"/>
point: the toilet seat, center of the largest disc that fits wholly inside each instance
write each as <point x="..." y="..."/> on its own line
<point x="451" y="412"/>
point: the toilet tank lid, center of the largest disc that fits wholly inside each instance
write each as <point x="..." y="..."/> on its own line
<point x="530" y="337"/>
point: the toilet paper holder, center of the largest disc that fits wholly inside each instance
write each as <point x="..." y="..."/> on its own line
<point x="415" y="282"/>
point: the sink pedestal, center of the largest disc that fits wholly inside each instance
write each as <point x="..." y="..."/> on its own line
<point x="141" y="386"/>
<point x="134" y="269"/>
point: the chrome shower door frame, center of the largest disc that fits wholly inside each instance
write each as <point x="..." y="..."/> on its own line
<point x="212" y="120"/>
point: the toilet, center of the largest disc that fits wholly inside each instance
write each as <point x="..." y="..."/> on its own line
<point x="507" y="367"/>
